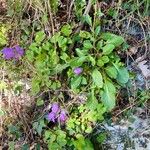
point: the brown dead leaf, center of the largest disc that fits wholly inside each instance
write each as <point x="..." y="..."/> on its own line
<point x="132" y="50"/>
<point x="144" y="68"/>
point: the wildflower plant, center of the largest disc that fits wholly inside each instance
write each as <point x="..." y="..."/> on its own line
<point x="94" y="68"/>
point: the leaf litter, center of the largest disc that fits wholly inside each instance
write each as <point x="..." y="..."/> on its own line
<point x="144" y="68"/>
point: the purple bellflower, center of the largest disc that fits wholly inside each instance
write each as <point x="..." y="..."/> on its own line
<point x="63" y="116"/>
<point x="8" y="53"/>
<point x="12" y="53"/>
<point x="55" y="108"/>
<point x="19" y="52"/>
<point x="78" y="70"/>
<point x="57" y="113"/>
<point x="51" y="116"/>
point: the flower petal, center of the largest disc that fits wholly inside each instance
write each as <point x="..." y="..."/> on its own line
<point x="51" y="117"/>
<point x="78" y="70"/>
<point x="62" y="116"/>
<point x="55" y="107"/>
<point x="8" y="53"/>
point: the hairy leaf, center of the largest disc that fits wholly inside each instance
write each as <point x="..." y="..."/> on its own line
<point x="107" y="49"/>
<point x="97" y="78"/>
<point x="112" y="39"/>
<point x="123" y="75"/>
<point x="111" y="72"/>
<point x="76" y="82"/>
<point x="108" y="95"/>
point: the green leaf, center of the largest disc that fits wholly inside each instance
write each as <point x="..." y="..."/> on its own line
<point x="84" y="81"/>
<point x="111" y="72"/>
<point x="100" y="62"/>
<point x="62" y="41"/>
<point x="55" y="37"/>
<point x="97" y="30"/>
<point x="101" y="137"/>
<point x="54" y="6"/>
<point x="99" y="45"/>
<point x="3" y="41"/>
<point x="123" y="75"/>
<point x="81" y="52"/>
<point x="108" y="95"/>
<point x="35" y="86"/>
<point x="25" y="147"/>
<point x="84" y="34"/>
<point x="106" y="36"/>
<point x="105" y="59"/>
<point x="39" y="37"/>
<point x="107" y="49"/>
<point x="44" y="19"/>
<point x="46" y="46"/>
<point x="3" y="85"/>
<point x="47" y="135"/>
<point x="88" y="20"/>
<point x="53" y="146"/>
<point x="66" y="30"/>
<point x="11" y="145"/>
<point x="87" y="44"/>
<point x="59" y="68"/>
<point x="92" y="60"/>
<point x="112" y="39"/>
<point x="54" y="58"/>
<point x="3" y="36"/>
<point x="65" y="57"/>
<point x="34" y="47"/>
<point x="2" y="112"/>
<point x="38" y="126"/>
<point x="76" y="82"/>
<point x="39" y="102"/>
<point x="40" y="63"/>
<point x="92" y="101"/>
<point x="61" y="141"/>
<point x="89" y="129"/>
<point x="78" y="61"/>
<point x="61" y="138"/>
<point x="38" y="147"/>
<point x="116" y="41"/>
<point x="97" y="78"/>
<point x="82" y="144"/>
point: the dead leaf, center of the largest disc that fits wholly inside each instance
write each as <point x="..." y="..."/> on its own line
<point x="144" y="68"/>
<point x="132" y="50"/>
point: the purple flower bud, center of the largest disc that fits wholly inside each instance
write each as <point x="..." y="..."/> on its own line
<point x="51" y="116"/>
<point x="78" y="70"/>
<point x="55" y="107"/>
<point x="62" y="117"/>
<point x="8" y="53"/>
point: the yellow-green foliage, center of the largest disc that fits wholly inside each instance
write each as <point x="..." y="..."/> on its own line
<point x="3" y="35"/>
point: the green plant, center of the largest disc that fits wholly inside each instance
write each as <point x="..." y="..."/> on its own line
<point x="83" y="118"/>
<point x="15" y="131"/>
<point x="3" y="35"/>
<point x="55" y="139"/>
<point x="92" y="68"/>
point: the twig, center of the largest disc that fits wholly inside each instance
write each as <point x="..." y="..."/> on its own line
<point x="81" y="24"/>
<point x="87" y="10"/>
<point x="69" y="14"/>
<point x="51" y="17"/>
